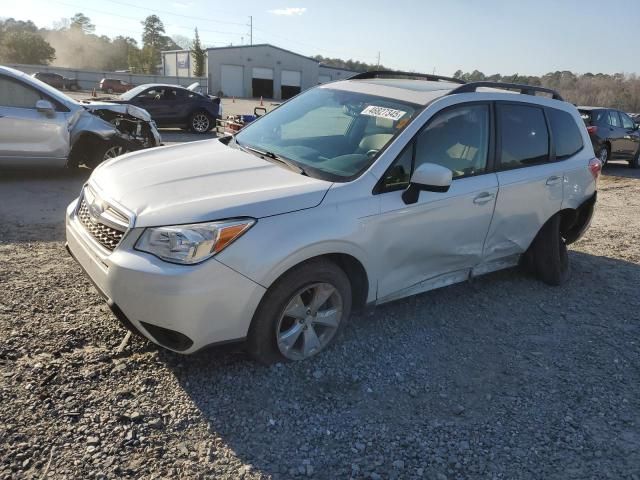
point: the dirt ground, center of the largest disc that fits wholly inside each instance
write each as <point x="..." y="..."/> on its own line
<point x="499" y="378"/>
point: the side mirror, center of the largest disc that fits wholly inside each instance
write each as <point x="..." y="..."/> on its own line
<point x="427" y="177"/>
<point x="45" y="106"/>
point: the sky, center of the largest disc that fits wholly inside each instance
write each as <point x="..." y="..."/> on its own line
<point x="528" y="37"/>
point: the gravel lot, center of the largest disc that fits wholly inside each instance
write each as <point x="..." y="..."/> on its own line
<point x="502" y="377"/>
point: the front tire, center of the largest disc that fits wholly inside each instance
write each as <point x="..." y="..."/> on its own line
<point x="603" y="155"/>
<point x="550" y="258"/>
<point x="201" y="122"/>
<point x="104" y="151"/>
<point x="301" y="314"/>
<point x="635" y="161"/>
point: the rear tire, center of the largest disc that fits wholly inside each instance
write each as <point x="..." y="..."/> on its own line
<point x="271" y="324"/>
<point x="201" y="122"/>
<point x="550" y="256"/>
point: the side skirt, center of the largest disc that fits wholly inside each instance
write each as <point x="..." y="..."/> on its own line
<point x="451" y="278"/>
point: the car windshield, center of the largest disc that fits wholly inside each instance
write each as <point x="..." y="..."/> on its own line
<point x="133" y="92"/>
<point x="331" y="134"/>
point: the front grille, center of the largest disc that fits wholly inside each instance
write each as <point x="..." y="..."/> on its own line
<point x="106" y="236"/>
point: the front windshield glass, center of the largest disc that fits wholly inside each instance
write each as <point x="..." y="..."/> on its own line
<point x="331" y="134"/>
<point x="128" y="95"/>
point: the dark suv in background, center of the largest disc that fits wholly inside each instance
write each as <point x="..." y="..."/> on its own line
<point x="57" y="81"/>
<point x="613" y="133"/>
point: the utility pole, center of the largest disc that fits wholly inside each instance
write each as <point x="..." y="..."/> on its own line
<point x="378" y="65"/>
<point x="250" y="25"/>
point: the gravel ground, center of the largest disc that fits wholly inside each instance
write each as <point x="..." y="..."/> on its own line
<point x="502" y="377"/>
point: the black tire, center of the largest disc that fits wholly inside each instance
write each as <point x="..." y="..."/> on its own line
<point x="550" y="258"/>
<point x="201" y="122"/>
<point x="635" y="161"/>
<point x="262" y="342"/>
<point x="604" y="154"/>
<point x="104" y="151"/>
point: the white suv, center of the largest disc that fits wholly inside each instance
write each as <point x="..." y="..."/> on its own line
<point x="352" y="194"/>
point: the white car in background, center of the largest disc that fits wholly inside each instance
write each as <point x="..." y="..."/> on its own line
<point x="41" y="126"/>
<point x="352" y="194"/>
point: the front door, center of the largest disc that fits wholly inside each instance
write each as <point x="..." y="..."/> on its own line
<point x="25" y="133"/>
<point x="439" y="239"/>
<point x="631" y="139"/>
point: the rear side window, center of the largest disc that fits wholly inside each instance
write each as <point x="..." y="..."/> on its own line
<point x="626" y="121"/>
<point x="524" y="140"/>
<point x="566" y="135"/>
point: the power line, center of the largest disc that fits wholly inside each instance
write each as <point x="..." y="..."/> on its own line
<point x="220" y="32"/>
<point x="192" y="17"/>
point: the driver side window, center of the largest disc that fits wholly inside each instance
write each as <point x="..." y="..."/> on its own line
<point x="457" y="138"/>
<point x="14" y="94"/>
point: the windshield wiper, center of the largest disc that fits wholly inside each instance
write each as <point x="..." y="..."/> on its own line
<point x="274" y="156"/>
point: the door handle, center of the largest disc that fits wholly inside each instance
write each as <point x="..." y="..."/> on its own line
<point x="553" y="180"/>
<point x="483" y="198"/>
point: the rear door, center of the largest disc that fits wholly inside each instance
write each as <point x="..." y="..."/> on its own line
<point x="530" y="184"/>
<point x="25" y="133"/>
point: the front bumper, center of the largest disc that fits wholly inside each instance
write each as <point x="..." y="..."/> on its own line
<point x="182" y="308"/>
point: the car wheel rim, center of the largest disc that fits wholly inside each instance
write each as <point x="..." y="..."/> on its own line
<point x="113" y="152"/>
<point x="201" y="123"/>
<point x="604" y="154"/>
<point x="309" y="321"/>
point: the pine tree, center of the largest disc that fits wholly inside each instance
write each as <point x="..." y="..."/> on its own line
<point x="199" y="56"/>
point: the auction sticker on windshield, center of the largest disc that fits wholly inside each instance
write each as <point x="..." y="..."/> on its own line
<point x="383" y="112"/>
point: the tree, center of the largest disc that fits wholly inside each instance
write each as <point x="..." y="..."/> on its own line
<point x="199" y="56"/>
<point x="153" y="42"/>
<point x="83" y="23"/>
<point x="27" y="47"/>
<point x="181" y="41"/>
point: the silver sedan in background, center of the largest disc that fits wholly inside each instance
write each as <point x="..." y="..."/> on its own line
<point x="39" y="125"/>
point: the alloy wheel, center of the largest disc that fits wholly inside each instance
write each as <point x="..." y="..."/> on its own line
<point x="113" y="152"/>
<point x="603" y="156"/>
<point x="309" y="321"/>
<point x="200" y="123"/>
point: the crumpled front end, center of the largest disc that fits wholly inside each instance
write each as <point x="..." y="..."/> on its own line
<point x="129" y="123"/>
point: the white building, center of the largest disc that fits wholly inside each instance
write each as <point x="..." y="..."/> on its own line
<point x="254" y="71"/>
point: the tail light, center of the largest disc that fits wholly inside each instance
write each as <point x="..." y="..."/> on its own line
<point x="595" y="167"/>
<point x="592" y="130"/>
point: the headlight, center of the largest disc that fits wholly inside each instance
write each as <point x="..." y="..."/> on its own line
<point x="194" y="243"/>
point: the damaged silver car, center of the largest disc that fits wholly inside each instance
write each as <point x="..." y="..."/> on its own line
<point x="40" y="125"/>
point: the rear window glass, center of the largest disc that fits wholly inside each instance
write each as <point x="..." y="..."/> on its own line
<point x="566" y="135"/>
<point x="523" y="136"/>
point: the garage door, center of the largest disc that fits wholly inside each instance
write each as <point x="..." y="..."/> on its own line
<point x="232" y="81"/>
<point x="262" y="82"/>
<point x="290" y="83"/>
<point x="324" y="79"/>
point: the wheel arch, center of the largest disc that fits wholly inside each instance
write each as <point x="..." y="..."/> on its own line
<point x="352" y="266"/>
<point x="82" y="145"/>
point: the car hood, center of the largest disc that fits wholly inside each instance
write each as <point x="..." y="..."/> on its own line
<point x="123" y="109"/>
<point x="203" y="181"/>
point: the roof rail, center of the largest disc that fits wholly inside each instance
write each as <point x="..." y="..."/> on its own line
<point x="405" y="75"/>
<point x="523" y="89"/>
